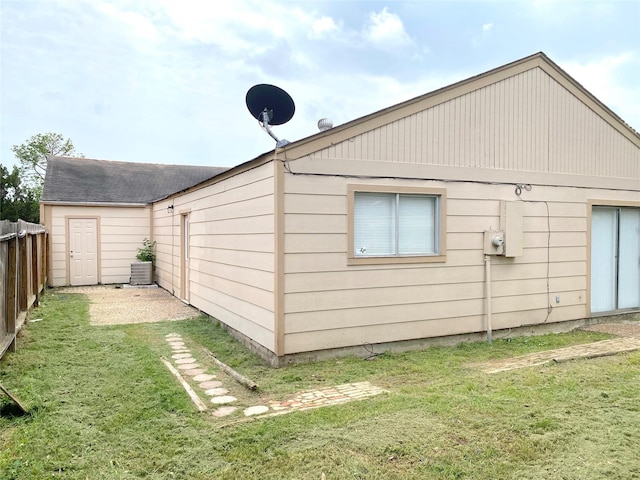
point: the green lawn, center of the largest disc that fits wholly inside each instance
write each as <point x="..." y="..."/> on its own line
<point x="103" y="406"/>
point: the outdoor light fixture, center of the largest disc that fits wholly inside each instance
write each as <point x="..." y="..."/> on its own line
<point x="170" y="209"/>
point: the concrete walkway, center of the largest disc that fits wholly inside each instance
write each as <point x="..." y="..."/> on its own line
<point x="589" y="350"/>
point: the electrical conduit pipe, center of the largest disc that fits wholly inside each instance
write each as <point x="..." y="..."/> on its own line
<point x="487" y="271"/>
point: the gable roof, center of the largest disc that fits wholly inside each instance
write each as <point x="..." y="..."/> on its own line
<point x="320" y="140"/>
<point x="84" y="180"/>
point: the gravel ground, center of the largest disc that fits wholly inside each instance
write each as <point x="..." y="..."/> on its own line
<point x="118" y="306"/>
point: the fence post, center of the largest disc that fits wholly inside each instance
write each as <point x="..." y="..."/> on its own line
<point x="35" y="291"/>
<point x="12" y="283"/>
<point x="23" y="284"/>
<point x="45" y="260"/>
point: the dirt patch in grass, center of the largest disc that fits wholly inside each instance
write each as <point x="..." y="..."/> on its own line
<point x="622" y="329"/>
<point x="121" y="306"/>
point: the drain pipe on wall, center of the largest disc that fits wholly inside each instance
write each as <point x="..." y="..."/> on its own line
<point x="487" y="271"/>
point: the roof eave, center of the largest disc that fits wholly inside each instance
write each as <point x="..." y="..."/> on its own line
<point x="92" y="204"/>
<point x="258" y="161"/>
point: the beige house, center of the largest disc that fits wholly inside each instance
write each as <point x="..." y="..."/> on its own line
<point x="98" y="213"/>
<point x="508" y="200"/>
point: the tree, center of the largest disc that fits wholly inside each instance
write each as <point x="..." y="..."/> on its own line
<point x="21" y="188"/>
<point x="17" y="199"/>
<point x="33" y="154"/>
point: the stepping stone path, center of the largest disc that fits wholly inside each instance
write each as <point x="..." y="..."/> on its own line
<point x="188" y="366"/>
<point x="210" y="384"/>
<point x="185" y="362"/>
<point x="178" y="356"/>
<point x="182" y="361"/>
<point x="203" y="377"/>
<point x="302" y="401"/>
<point x="224" y="411"/>
<point x="216" y="391"/>
<point x="260" y="409"/>
<point x="326" y="397"/>
<point x="223" y="399"/>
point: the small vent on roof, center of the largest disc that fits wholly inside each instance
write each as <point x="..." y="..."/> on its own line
<point x="324" y="124"/>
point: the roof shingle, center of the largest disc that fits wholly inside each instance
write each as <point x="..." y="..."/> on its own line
<point x="83" y="180"/>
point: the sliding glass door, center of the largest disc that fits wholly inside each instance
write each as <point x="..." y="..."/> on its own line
<point x="615" y="258"/>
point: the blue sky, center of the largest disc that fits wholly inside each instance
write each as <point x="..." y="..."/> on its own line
<point x="164" y="81"/>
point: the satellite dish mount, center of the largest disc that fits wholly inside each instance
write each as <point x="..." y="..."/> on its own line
<point x="267" y="115"/>
<point x="270" y="105"/>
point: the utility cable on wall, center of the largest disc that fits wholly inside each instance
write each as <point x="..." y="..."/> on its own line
<point x="518" y="191"/>
<point x="519" y="188"/>
<point x="286" y="163"/>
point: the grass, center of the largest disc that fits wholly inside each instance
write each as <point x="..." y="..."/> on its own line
<point x="104" y="407"/>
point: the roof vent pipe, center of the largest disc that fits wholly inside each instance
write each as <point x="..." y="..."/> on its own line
<point x="324" y="124"/>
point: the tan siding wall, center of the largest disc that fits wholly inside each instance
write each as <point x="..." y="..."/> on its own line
<point x="527" y="122"/>
<point x="166" y="252"/>
<point x="329" y="304"/>
<point x="231" y="246"/>
<point x="121" y="233"/>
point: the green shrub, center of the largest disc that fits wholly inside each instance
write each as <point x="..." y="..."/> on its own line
<point x="146" y="252"/>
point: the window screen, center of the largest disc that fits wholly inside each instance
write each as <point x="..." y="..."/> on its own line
<point x="391" y="224"/>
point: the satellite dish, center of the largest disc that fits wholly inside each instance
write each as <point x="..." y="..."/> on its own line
<point x="270" y="105"/>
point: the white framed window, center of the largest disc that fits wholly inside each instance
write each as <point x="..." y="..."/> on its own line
<point x="390" y="225"/>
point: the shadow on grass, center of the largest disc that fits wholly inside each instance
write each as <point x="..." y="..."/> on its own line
<point x="11" y="411"/>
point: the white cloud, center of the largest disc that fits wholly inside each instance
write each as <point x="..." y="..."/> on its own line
<point x="478" y="39"/>
<point x="236" y="26"/>
<point x="136" y="23"/>
<point x="324" y="26"/>
<point x="214" y="23"/>
<point x="386" y="31"/>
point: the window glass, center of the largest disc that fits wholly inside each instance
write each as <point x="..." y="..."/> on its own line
<point x="391" y="224"/>
<point x="374" y="224"/>
<point x="629" y="258"/>
<point x="416" y="232"/>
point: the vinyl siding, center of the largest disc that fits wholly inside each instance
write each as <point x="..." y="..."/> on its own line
<point x="231" y="246"/>
<point x="329" y="304"/>
<point x="121" y="230"/>
<point x="528" y="122"/>
<point x="531" y="128"/>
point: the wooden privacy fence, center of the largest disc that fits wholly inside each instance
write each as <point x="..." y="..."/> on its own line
<point x="23" y="275"/>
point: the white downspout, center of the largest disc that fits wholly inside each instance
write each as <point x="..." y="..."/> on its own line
<point x="487" y="270"/>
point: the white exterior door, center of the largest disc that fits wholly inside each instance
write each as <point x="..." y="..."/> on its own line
<point x="83" y="251"/>
<point x="615" y="259"/>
